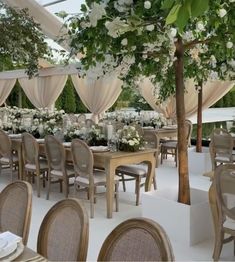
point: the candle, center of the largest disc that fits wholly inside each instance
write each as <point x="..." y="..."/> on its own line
<point x="109" y="131"/>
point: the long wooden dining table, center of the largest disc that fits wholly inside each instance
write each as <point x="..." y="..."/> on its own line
<point x="108" y="161"/>
<point x="163" y="132"/>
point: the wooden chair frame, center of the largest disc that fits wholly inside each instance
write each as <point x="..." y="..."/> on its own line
<point x="50" y="216"/>
<point x="148" y="225"/>
<point x="28" y="211"/>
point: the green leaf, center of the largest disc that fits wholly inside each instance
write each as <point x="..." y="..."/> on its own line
<point x="167" y="4"/>
<point x="182" y="18"/>
<point x="198" y="7"/>
<point x="83" y="8"/>
<point x="172" y="16"/>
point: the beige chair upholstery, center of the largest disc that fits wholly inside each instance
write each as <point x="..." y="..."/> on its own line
<point x="59" y="170"/>
<point x="86" y="177"/>
<point x="137" y="172"/>
<point x="8" y="158"/>
<point x="89" y="123"/>
<point x="221" y="147"/>
<point x="225" y="198"/>
<point x="63" y="235"/>
<point x="16" y="209"/>
<point x="171" y="146"/>
<point x="33" y="164"/>
<point x="137" y="239"/>
<point x="81" y="120"/>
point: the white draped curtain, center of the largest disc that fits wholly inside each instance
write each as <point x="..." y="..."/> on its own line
<point x="43" y="91"/>
<point x="6" y="85"/>
<point x="167" y="107"/>
<point x="98" y="95"/>
<point x="212" y="92"/>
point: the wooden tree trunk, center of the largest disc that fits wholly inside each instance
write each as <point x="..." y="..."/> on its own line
<point x="199" y="121"/>
<point x="184" y="190"/>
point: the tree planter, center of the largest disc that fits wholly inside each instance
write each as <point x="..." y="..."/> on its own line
<point x="188" y="224"/>
<point x="199" y="163"/>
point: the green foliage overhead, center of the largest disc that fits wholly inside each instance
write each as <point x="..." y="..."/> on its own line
<point x="21" y="40"/>
<point x="139" y="39"/>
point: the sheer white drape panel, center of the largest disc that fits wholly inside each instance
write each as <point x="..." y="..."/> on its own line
<point x="43" y="91"/>
<point x="212" y="91"/>
<point x="98" y="95"/>
<point x="167" y="108"/>
<point x="6" y="86"/>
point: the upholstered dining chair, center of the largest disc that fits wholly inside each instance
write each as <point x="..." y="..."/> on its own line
<point x="89" y="123"/>
<point x="221" y="147"/>
<point x="171" y="146"/>
<point x="137" y="239"/>
<point x="63" y="234"/>
<point x="86" y="176"/>
<point x="58" y="169"/>
<point x="34" y="165"/>
<point x="16" y="209"/>
<point x="138" y="172"/>
<point x="224" y="180"/>
<point x="81" y="119"/>
<point x="7" y="157"/>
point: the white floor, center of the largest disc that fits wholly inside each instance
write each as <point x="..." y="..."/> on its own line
<point x="100" y="226"/>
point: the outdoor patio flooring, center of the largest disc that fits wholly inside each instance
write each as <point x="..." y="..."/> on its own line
<point x="100" y="226"/>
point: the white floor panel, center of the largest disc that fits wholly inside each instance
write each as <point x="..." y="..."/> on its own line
<point x="100" y="226"/>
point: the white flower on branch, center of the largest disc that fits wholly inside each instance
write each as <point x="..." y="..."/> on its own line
<point x="117" y="27"/>
<point x="97" y="12"/>
<point x="147" y="4"/>
<point x="229" y="44"/>
<point x="222" y="12"/>
<point x="150" y="28"/>
<point x="200" y="26"/>
<point x="124" y="42"/>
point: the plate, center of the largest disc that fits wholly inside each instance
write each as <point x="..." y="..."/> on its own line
<point x="100" y="149"/>
<point x="3" y="243"/>
<point x="40" y="140"/>
<point x="67" y="144"/>
<point x="14" y="253"/>
<point x="8" y="249"/>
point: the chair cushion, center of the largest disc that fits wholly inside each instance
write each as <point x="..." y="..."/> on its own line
<point x="60" y="173"/>
<point x="170" y="144"/>
<point x="99" y="177"/>
<point x="132" y="170"/>
<point x="6" y="160"/>
<point x="229" y="223"/>
<point x="42" y="165"/>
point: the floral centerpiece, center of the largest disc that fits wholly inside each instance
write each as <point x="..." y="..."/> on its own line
<point x="74" y="132"/>
<point x="96" y="137"/>
<point x="129" y="139"/>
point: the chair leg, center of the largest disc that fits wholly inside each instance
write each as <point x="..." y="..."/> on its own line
<point x="91" y="194"/>
<point x="65" y="188"/>
<point x="154" y="182"/>
<point x="38" y="184"/>
<point x="137" y="189"/>
<point x="43" y="179"/>
<point x="117" y="196"/>
<point x="123" y="182"/>
<point x="61" y="186"/>
<point x="219" y="237"/>
<point x="176" y="157"/>
<point x="48" y="187"/>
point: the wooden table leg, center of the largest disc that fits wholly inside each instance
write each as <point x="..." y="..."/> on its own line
<point x="151" y="172"/>
<point x="110" y="173"/>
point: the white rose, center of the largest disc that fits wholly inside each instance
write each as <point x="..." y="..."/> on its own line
<point x="147" y="4"/>
<point x="131" y="142"/>
<point x="173" y="32"/>
<point x="222" y="12"/>
<point x="229" y="45"/>
<point x="124" y="42"/>
<point x="150" y="28"/>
